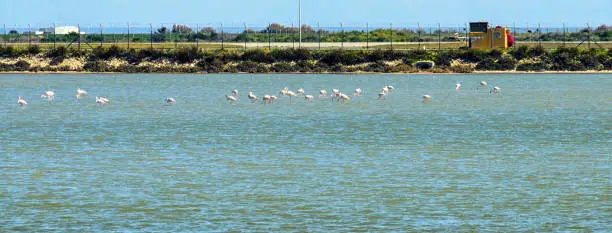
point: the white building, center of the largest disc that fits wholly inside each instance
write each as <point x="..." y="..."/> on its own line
<point x="63" y="30"/>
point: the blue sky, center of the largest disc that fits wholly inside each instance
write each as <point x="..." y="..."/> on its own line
<point x="327" y="12"/>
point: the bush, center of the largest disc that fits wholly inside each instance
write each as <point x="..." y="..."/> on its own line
<point x="607" y="65"/>
<point x="10" y="51"/>
<point x="283" y="67"/>
<point x="59" y="52"/>
<point x="96" y="66"/>
<point x="290" y="55"/>
<point x="338" y="68"/>
<point x="424" y="65"/>
<point x="400" y="68"/>
<point x="211" y="65"/>
<point x="257" y="55"/>
<point x="488" y="64"/>
<point x="187" y="55"/>
<point x="462" y="68"/>
<point x="532" y="65"/>
<point x="21" y="65"/>
<point x="33" y="49"/>
<point x="252" y="67"/>
<point x="507" y="62"/>
<point x="346" y="57"/>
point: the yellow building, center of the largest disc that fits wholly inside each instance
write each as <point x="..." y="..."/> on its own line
<point x="484" y="37"/>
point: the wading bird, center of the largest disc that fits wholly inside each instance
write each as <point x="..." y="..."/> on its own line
<point x="322" y="93"/>
<point x="426" y="98"/>
<point x="80" y="93"/>
<point x="358" y="92"/>
<point x="381" y="95"/>
<point x="102" y="100"/>
<point x="169" y="100"/>
<point x="252" y="97"/>
<point x="21" y="101"/>
<point x="495" y="90"/>
<point x="300" y="92"/>
<point x="49" y="95"/>
<point x="308" y="98"/>
<point x="291" y="94"/>
<point x="230" y="99"/>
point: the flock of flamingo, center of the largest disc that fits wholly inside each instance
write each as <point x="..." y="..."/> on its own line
<point x="336" y="95"/>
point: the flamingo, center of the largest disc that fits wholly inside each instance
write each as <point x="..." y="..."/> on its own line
<point x="426" y="98"/>
<point x="385" y="89"/>
<point x="102" y="100"/>
<point x="230" y="99"/>
<point x="381" y="95"/>
<point x="266" y="99"/>
<point x="49" y="95"/>
<point x="358" y="92"/>
<point x="252" y="97"/>
<point x="390" y="87"/>
<point x="21" y="101"/>
<point x="273" y="98"/>
<point x="335" y="94"/>
<point x="300" y="92"/>
<point x="284" y="91"/>
<point x="483" y="84"/>
<point x="308" y="98"/>
<point x="235" y="93"/>
<point x="80" y="93"/>
<point x="344" y="98"/>
<point x="291" y="94"/>
<point x="322" y="93"/>
<point x="169" y="100"/>
<point x="495" y="90"/>
<point x="457" y="86"/>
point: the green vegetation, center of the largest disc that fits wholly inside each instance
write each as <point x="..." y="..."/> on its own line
<point x="192" y="60"/>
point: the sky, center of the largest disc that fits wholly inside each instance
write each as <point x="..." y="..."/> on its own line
<point x="234" y="13"/>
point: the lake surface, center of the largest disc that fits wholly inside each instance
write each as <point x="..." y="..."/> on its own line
<point x="535" y="157"/>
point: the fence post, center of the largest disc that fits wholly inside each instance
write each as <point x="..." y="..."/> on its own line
<point x="419" y="35"/>
<point x="54" y="35"/>
<point x="222" y="40"/>
<point x="319" y="34"/>
<point x="268" y="31"/>
<point x="151" y="36"/>
<point x="367" y="36"/>
<point x="515" y="34"/>
<point x="439" y="36"/>
<point x="342" y="36"/>
<point x="197" y="33"/>
<point x="391" y="31"/>
<point x="128" y="35"/>
<point x="292" y="36"/>
<point x="564" y="34"/>
<point x="79" y="36"/>
<point x="246" y="35"/>
<point x="589" y="36"/>
<point x="29" y="35"/>
<point x="101" y="36"/>
<point x="539" y="35"/>
<point x="4" y="39"/>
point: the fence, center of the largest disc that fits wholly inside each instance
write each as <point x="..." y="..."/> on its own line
<point x="206" y="36"/>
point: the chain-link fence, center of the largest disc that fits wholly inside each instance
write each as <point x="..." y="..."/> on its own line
<point x="207" y="36"/>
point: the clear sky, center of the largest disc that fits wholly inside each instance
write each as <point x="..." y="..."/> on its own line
<point x="327" y="12"/>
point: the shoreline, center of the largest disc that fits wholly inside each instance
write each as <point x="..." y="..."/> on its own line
<point x="305" y="73"/>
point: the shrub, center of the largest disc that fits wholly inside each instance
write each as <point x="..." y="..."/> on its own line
<point x="34" y="49"/>
<point x="534" y="64"/>
<point x="520" y="52"/>
<point x="338" y="68"/>
<point x="96" y="66"/>
<point x="10" y="51"/>
<point x="399" y="68"/>
<point x="187" y="55"/>
<point x="252" y="67"/>
<point x="607" y="65"/>
<point x="290" y="55"/>
<point x="283" y="67"/>
<point x="59" y="52"/>
<point x="507" y="62"/>
<point x="346" y="57"/>
<point x="488" y="64"/>
<point x="424" y="65"/>
<point x="461" y="68"/>
<point x="21" y="65"/>
<point x="257" y="55"/>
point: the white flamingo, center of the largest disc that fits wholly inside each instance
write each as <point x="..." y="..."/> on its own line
<point x="335" y="94"/>
<point x="235" y="93"/>
<point x="358" y="92"/>
<point x="381" y="95"/>
<point x="495" y="90"/>
<point x="252" y="97"/>
<point x="21" y="101"/>
<point x="265" y="99"/>
<point x="102" y="100"/>
<point x="385" y="89"/>
<point x="283" y="92"/>
<point x="291" y="94"/>
<point x="390" y="87"/>
<point x="483" y="84"/>
<point x="230" y="99"/>
<point x="49" y="95"/>
<point x="426" y="98"/>
<point x="308" y="98"/>
<point x="457" y="86"/>
<point x="322" y="93"/>
<point x="344" y="98"/>
<point x="300" y="92"/>
<point x="80" y="93"/>
<point x="273" y="98"/>
<point x="169" y="100"/>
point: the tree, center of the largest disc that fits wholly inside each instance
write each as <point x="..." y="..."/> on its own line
<point x="182" y="29"/>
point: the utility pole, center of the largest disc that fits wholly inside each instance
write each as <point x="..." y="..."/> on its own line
<point x="268" y="31"/>
<point x="246" y="36"/>
<point x="54" y="35"/>
<point x="419" y="33"/>
<point x="128" y="34"/>
<point x="79" y="37"/>
<point x="151" y="35"/>
<point x="439" y="35"/>
<point x="342" y="36"/>
<point x="29" y="35"/>
<point x="319" y="34"/>
<point x="564" y="34"/>
<point x="222" y="40"/>
<point x="101" y="36"/>
<point x="196" y="36"/>
<point x="391" y="31"/>
<point x="5" y="35"/>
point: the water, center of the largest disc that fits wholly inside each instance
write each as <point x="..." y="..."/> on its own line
<point x="534" y="158"/>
